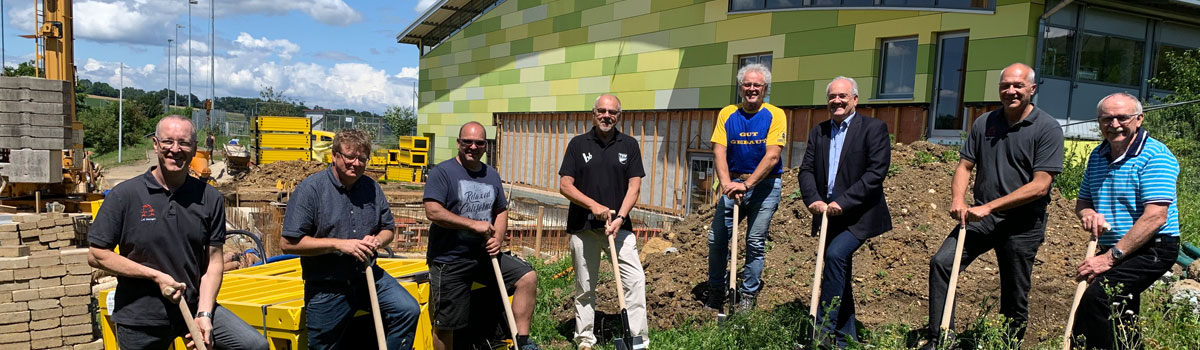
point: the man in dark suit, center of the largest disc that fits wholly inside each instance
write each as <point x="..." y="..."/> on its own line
<point x="842" y="175"/>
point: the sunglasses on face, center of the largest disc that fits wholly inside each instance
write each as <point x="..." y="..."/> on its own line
<point x="468" y="142"/>
<point x="603" y="111"/>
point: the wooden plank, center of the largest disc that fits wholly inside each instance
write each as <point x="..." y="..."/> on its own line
<point x="654" y="165"/>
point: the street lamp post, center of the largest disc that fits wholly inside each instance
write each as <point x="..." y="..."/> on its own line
<point x="189" y="97"/>
<point x="121" y="112"/>
<point x="212" y="58"/>
<point x="169" y="42"/>
<point x="176" y="89"/>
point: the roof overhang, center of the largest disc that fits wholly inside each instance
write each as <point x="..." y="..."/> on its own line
<point x="442" y="20"/>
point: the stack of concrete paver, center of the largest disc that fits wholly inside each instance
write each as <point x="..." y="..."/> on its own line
<point x="35" y="113"/>
<point x="28" y="233"/>
<point x="45" y="301"/>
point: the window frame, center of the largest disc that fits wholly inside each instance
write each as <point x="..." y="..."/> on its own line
<point x="737" y="98"/>
<point x="879" y="94"/>
<point x="762" y="6"/>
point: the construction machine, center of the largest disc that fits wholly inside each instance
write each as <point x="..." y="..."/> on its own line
<point x="41" y="145"/>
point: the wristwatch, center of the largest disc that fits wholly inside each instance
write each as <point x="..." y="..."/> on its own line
<point x="622" y="217"/>
<point x="1117" y="254"/>
<point x="200" y="314"/>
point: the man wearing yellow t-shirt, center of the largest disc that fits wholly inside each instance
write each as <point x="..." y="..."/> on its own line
<point x="746" y="141"/>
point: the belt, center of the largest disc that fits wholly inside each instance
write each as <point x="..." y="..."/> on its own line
<point x="744" y="177"/>
<point x="1158" y="239"/>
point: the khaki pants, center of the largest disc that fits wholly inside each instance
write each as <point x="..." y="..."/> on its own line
<point x="585" y="251"/>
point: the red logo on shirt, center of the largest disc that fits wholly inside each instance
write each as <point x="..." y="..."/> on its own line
<point x="147" y="212"/>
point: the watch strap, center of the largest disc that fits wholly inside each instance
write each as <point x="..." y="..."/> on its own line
<point x="200" y="314"/>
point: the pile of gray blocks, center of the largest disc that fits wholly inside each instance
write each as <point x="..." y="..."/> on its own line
<point x="35" y="113"/>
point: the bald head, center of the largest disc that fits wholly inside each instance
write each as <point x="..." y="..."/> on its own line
<point x="1120" y="102"/>
<point x="607" y="100"/>
<point x="1021" y="70"/>
<point x="472" y="130"/>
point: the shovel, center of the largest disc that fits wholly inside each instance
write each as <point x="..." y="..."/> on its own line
<point x="379" y="339"/>
<point x="627" y="341"/>
<point x="947" y="310"/>
<point x="512" y="321"/>
<point x="197" y="338"/>
<point x="813" y="308"/>
<point x="1079" y="289"/>
<point x="731" y="294"/>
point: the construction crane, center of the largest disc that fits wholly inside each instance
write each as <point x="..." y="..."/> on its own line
<point x="43" y="155"/>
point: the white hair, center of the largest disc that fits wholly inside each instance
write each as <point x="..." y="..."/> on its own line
<point x="755" y="67"/>
<point x="853" y="85"/>
<point x="1137" y="105"/>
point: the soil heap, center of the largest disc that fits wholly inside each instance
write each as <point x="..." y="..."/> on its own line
<point x="890" y="271"/>
<point x="291" y="171"/>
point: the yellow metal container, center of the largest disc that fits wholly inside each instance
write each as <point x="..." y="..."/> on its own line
<point x="285" y="124"/>
<point x="282" y="140"/>
<point x="414" y="143"/>
<point x="413" y="158"/>
<point x="268" y="156"/>
<point x="273" y="295"/>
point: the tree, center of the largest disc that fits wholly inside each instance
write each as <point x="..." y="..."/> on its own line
<point x="1181" y="76"/>
<point x="401" y="120"/>
<point x="24" y="69"/>
<point x="276" y="103"/>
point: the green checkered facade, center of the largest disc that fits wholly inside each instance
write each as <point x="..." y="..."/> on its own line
<point x="559" y="55"/>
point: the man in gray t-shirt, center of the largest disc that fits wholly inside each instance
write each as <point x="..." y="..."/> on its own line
<point x="1015" y="151"/>
<point x="465" y="201"/>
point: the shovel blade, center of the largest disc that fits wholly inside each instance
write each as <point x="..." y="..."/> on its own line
<point x="634" y="343"/>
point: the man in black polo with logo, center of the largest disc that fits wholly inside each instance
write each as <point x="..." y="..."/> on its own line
<point x="1018" y="150"/>
<point x="336" y="219"/>
<point x="170" y="228"/>
<point x="602" y="177"/>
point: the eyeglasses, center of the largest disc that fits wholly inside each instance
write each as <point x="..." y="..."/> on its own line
<point x="603" y="111"/>
<point x="360" y="158"/>
<point x="841" y="96"/>
<point x="1122" y="119"/>
<point x="183" y="144"/>
<point x="469" y="142"/>
<point x="753" y="85"/>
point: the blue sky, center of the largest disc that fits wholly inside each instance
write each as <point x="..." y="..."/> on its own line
<point x="332" y="53"/>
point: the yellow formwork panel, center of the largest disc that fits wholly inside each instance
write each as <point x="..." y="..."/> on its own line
<point x="393" y="157"/>
<point x="268" y="156"/>
<point x="273" y="294"/>
<point x="414" y="158"/>
<point x="393" y="173"/>
<point x="286" y="124"/>
<point x="281" y="140"/>
<point x="414" y="143"/>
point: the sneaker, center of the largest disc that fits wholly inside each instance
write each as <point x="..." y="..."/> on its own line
<point x="715" y="298"/>
<point x="747" y="302"/>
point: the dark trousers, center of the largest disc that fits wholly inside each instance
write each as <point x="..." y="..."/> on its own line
<point x="1126" y="280"/>
<point x="1016" y="244"/>
<point x="837" y="282"/>
<point x="229" y="332"/>
<point x="329" y="305"/>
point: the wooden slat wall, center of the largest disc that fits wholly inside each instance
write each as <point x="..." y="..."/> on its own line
<point x="535" y="143"/>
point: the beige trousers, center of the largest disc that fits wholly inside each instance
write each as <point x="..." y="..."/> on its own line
<point x="585" y="251"/>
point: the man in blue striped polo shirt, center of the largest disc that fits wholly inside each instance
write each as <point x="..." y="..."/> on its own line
<point x="1130" y="185"/>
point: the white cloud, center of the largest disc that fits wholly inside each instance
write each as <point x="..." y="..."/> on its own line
<point x="337" y="56"/>
<point x="256" y="63"/>
<point x="423" y="5"/>
<point x="150" y="22"/>
<point x="408" y="72"/>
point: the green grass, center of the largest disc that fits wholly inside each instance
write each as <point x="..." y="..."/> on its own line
<point x="1164" y="324"/>
<point x="129" y="155"/>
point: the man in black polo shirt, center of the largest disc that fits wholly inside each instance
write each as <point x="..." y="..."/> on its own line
<point x="1018" y="150"/>
<point x="465" y="201"/>
<point x="336" y="219"/>
<point x="602" y="177"/>
<point x="170" y="228"/>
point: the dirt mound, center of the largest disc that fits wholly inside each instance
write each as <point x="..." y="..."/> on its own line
<point x="292" y="171"/>
<point x="890" y="271"/>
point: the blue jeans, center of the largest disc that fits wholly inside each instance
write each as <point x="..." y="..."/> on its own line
<point x="758" y="206"/>
<point x="836" y="282"/>
<point x="329" y="305"/>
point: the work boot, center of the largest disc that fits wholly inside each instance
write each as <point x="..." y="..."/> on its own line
<point x="715" y="298"/>
<point x="746" y="303"/>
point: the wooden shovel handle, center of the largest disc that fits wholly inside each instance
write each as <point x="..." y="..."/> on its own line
<point x="1080" y="287"/>
<point x="190" y="322"/>
<point x="948" y="309"/>
<point x="612" y="253"/>
<point x="818" y="272"/>
<point x="733" y="251"/>
<point x="508" y="312"/>
<point x="377" y="318"/>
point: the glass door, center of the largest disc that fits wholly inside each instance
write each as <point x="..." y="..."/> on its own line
<point x="700" y="181"/>
<point x="948" y="116"/>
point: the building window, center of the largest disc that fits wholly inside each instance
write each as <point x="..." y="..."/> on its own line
<point x="899" y="69"/>
<point x="1160" y="59"/>
<point x="759" y="5"/>
<point x="1056" y="54"/>
<point x="1109" y="59"/>
<point x="745" y="60"/>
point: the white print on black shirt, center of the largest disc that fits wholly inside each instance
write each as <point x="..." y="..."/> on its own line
<point x="587" y="157"/>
